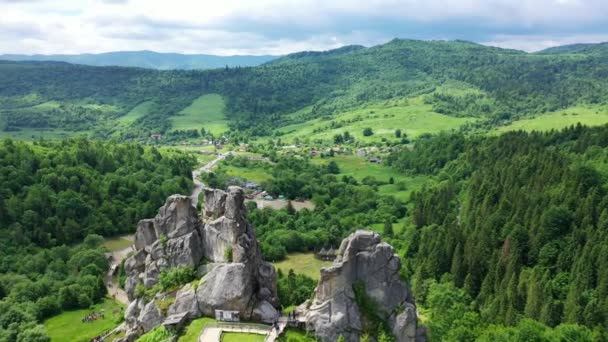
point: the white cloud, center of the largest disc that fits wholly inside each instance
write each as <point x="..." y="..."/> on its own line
<point x="283" y="26"/>
<point x="536" y="43"/>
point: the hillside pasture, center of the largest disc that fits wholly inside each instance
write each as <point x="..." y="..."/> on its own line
<point x="585" y="115"/>
<point x="412" y="116"/>
<point x="207" y="111"/>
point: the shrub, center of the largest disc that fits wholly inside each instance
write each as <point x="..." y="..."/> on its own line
<point x="228" y="254"/>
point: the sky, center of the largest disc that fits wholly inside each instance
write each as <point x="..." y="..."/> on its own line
<point x="275" y="27"/>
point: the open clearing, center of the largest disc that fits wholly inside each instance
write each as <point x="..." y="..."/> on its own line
<point x="137" y="112"/>
<point x="193" y="331"/>
<point x="255" y="174"/>
<point x="117" y="244"/>
<point x="68" y="327"/>
<point x="303" y="263"/>
<point x="34" y="134"/>
<point x="242" y="337"/>
<point x="359" y="168"/>
<point x="293" y="335"/>
<point x="589" y="116"/>
<point x="412" y="116"/>
<point x="207" y="112"/>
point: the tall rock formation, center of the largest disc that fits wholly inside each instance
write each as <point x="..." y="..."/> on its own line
<point x="221" y="245"/>
<point x="363" y="261"/>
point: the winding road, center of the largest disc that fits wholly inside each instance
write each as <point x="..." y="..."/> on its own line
<point x="198" y="185"/>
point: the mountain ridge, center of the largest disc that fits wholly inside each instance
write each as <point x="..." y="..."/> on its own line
<point x="148" y="59"/>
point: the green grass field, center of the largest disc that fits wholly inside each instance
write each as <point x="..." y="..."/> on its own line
<point x="193" y="331"/>
<point x="242" y="337"/>
<point x="590" y="116"/>
<point x="67" y="326"/>
<point x="34" y="134"/>
<point x="137" y="112"/>
<point x="116" y="244"/>
<point x="254" y="174"/>
<point x="206" y="112"/>
<point x="294" y="335"/>
<point x="412" y="116"/>
<point x="359" y="168"/>
<point x="303" y="263"/>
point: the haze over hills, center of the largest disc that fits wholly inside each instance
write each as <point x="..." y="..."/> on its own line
<point x="577" y="48"/>
<point x="149" y="59"/>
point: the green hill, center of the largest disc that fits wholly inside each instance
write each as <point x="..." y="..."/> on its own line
<point x="459" y="79"/>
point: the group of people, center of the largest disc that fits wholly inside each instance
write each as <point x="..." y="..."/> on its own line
<point x="292" y="316"/>
<point x="93" y="316"/>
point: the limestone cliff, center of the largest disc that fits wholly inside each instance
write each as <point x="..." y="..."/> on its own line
<point x="220" y="244"/>
<point x="364" y="260"/>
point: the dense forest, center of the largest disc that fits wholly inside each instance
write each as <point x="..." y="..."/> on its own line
<point x="54" y="196"/>
<point x="341" y="204"/>
<point x="510" y="85"/>
<point x="518" y="222"/>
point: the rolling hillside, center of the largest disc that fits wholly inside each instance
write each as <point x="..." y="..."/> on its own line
<point x="149" y="59"/>
<point x="483" y="86"/>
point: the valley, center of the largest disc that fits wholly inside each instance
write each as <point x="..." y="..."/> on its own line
<point x="475" y="175"/>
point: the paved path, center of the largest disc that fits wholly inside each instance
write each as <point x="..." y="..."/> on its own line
<point x="213" y="333"/>
<point x="113" y="288"/>
<point x="198" y="185"/>
<point x="275" y="333"/>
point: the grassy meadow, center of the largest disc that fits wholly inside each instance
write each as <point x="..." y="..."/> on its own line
<point x="68" y="327"/>
<point x="207" y="112"/>
<point x="360" y="167"/>
<point x="116" y="244"/>
<point x="294" y="335"/>
<point x="303" y="263"/>
<point x="412" y="116"/>
<point x="193" y="331"/>
<point x="589" y="116"/>
<point x="254" y="174"/>
<point x="137" y="112"/>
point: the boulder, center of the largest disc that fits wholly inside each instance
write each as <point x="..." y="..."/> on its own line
<point x="366" y="262"/>
<point x="145" y="235"/>
<point x="176" y="218"/>
<point x="185" y="301"/>
<point x="265" y="312"/>
<point x="149" y="317"/>
<point x="215" y="201"/>
<point x="227" y="287"/>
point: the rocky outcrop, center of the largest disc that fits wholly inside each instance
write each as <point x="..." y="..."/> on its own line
<point x="220" y="244"/>
<point x="373" y="267"/>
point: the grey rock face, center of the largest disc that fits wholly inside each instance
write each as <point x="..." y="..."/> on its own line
<point x="227" y="287"/>
<point x="150" y="317"/>
<point x="185" y="301"/>
<point x="177" y="237"/>
<point x="362" y="259"/>
<point x="145" y="234"/>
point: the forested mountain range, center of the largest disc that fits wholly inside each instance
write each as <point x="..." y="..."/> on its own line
<point x="500" y="86"/>
<point x="148" y="59"/>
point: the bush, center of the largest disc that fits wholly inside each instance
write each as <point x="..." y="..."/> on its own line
<point x="176" y="277"/>
<point x="228" y="254"/>
<point x="367" y="132"/>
